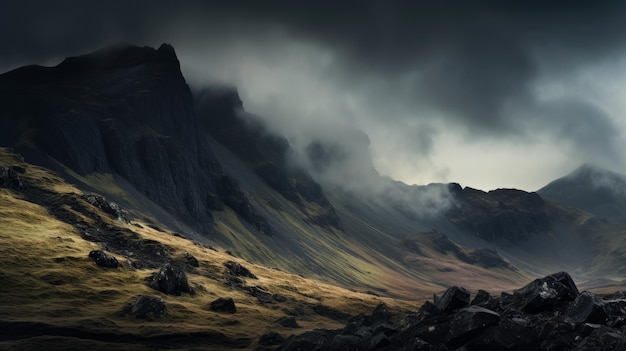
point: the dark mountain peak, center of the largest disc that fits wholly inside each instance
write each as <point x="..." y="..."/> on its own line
<point x="589" y="175"/>
<point x="121" y="55"/>
<point x="587" y="170"/>
<point x="592" y="188"/>
<point x="113" y="57"/>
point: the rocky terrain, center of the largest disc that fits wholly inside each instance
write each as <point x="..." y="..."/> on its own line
<point x="137" y="213"/>
<point x="79" y="272"/>
<point x="547" y="314"/>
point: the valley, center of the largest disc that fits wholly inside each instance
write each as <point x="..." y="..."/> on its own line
<point x="112" y="155"/>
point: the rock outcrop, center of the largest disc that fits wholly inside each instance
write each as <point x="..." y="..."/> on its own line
<point x="509" y="214"/>
<point x="123" y="110"/>
<point x="103" y="259"/>
<point x="548" y="314"/>
<point x="171" y="280"/>
<point x="220" y="112"/>
<point x="110" y="208"/>
<point x="146" y="307"/>
<point x="223" y="304"/>
<point x="10" y="178"/>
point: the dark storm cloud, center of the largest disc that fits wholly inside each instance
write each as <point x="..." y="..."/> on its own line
<point x="473" y="62"/>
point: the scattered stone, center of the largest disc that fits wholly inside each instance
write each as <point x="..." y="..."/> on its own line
<point x="484" y="299"/>
<point x="279" y="298"/>
<point x="103" y="259"/>
<point x="331" y="313"/>
<point x="271" y="339"/>
<point x="222" y="304"/>
<point x="9" y="178"/>
<point x="146" y="307"/>
<point x="156" y="227"/>
<point x="545" y="293"/>
<point x="288" y="322"/>
<point x="261" y="294"/>
<point x="548" y="314"/>
<point x="179" y="235"/>
<point x="467" y="322"/>
<point x="238" y="270"/>
<point x="191" y="260"/>
<point x="587" y="308"/>
<point x="454" y="298"/>
<point x="111" y="208"/>
<point x="171" y="280"/>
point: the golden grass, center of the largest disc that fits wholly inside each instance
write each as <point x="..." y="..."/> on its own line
<point x="37" y="176"/>
<point x="48" y="278"/>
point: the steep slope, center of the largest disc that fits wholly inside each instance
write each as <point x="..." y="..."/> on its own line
<point x="121" y="112"/>
<point x="123" y="122"/>
<point x="57" y="296"/>
<point x="591" y="188"/>
<point x="355" y="238"/>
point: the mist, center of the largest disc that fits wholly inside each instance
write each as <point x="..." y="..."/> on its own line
<point x="488" y="94"/>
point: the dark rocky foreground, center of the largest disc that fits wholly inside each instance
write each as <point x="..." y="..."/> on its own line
<point x="548" y="314"/>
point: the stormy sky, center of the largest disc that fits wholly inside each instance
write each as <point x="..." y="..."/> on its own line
<point x="485" y="93"/>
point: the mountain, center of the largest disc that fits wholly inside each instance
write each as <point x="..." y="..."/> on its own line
<point x="599" y="191"/>
<point x="78" y="273"/>
<point x="131" y="208"/>
<point x="123" y="123"/>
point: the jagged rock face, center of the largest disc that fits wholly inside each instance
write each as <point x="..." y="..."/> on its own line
<point x="124" y="110"/>
<point x="221" y="115"/>
<point x="487" y="323"/>
<point x="504" y="214"/>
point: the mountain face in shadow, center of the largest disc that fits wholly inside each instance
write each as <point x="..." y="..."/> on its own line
<point x="122" y="121"/>
<point x="599" y="191"/>
<point x="125" y="110"/>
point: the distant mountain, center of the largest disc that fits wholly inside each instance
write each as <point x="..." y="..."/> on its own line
<point x="599" y="191"/>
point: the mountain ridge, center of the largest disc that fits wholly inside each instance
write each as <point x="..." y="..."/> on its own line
<point x="133" y="129"/>
<point x="592" y="188"/>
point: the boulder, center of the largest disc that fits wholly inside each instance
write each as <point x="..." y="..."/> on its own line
<point x="9" y="178"/>
<point x="288" y="322"/>
<point x="171" y="280"/>
<point x="309" y="341"/>
<point x="191" y="260"/>
<point x="587" y="308"/>
<point x="546" y="293"/>
<point x="111" y="208"/>
<point x="547" y="315"/>
<point x="454" y="298"/>
<point x="146" y="307"/>
<point x="484" y="299"/>
<point x="238" y="270"/>
<point x="223" y="304"/>
<point x="468" y="322"/>
<point x="271" y="339"/>
<point x="103" y="259"/>
<point x="261" y="294"/>
<point x="506" y="335"/>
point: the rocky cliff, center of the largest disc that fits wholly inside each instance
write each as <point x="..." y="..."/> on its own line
<point x="123" y="110"/>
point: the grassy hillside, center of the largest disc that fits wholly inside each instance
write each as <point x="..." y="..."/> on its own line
<point x="54" y="295"/>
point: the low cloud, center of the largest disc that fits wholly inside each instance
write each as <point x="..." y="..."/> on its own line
<point x="411" y="75"/>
